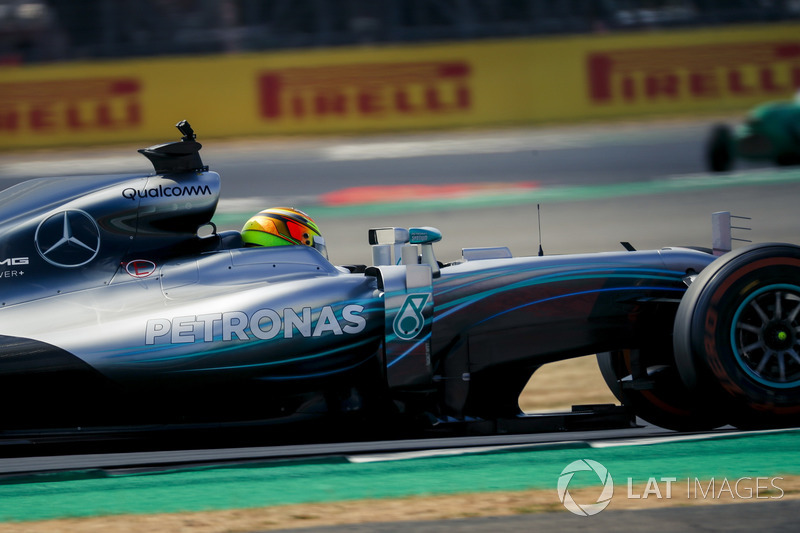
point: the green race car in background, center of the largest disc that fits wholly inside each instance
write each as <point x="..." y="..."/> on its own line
<point x="770" y="133"/>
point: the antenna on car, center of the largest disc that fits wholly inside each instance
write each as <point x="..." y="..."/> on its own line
<point x="539" y="222"/>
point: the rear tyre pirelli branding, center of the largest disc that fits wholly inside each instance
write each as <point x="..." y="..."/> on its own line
<point x="737" y="331"/>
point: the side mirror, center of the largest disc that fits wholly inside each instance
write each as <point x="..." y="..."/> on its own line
<point x="388" y="236"/>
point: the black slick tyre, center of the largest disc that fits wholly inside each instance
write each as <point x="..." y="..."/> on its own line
<point x="719" y="149"/>
<point x="737" y="335"/>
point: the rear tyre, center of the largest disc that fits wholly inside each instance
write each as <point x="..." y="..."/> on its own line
<point x="658" y="395"/>
<point x="737" y="335"/>
<point x="719" y="149"/>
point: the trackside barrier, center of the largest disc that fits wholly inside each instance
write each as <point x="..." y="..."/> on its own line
<point x="391" y="88"/>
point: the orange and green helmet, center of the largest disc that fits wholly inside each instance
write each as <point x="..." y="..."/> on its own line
<point x="280" y="226"/>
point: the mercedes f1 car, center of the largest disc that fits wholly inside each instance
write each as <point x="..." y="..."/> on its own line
<point x="770" y="133"/>
<point x="117" y="311"/>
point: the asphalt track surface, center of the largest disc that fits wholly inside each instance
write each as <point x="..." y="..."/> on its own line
<point x="597" y="185"/>
<point x="639" y="182"/>
<point x="644" y="183"/>
<point x="774" y="517"/>
<point x="397" y="449"/>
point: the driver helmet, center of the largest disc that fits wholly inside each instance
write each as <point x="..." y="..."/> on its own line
<point x="281" y="226"/>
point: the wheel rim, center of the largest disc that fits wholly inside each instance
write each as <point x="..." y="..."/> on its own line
<point x="766" y="336"/>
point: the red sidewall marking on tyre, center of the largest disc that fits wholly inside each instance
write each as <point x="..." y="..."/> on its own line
<point x="774" y="261"/>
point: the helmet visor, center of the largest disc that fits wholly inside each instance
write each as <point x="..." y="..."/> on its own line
<point x="260" y="238"/>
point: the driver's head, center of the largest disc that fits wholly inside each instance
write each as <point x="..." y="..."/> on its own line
<point x="280" y="226"/>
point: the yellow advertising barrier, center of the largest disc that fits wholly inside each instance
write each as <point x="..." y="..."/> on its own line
<point x="519" y="81"/>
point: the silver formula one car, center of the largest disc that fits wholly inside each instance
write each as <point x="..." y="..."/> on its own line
<point x="116" y="313"/>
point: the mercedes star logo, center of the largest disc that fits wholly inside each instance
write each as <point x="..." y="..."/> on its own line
<point x="68" y="239"/>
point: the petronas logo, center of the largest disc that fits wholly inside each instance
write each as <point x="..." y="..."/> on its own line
<point x="409" y="321"/>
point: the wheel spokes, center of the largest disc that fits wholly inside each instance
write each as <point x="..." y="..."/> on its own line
<point x="763" y="361"/>
<point x="749" y="327"/>
<point x="755" y="346"/>
<point x="767" y="335"/>
<point x="793" y="314"/>
<point x="781" y="366"/>
<point x="761" y="314"/>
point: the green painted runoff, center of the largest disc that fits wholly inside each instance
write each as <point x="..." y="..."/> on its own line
<point x="92" y="493"/>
